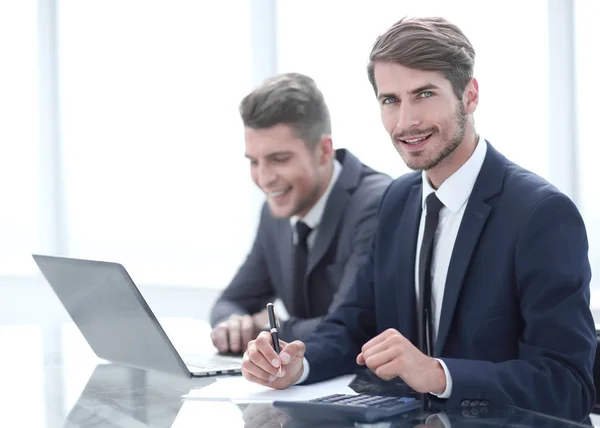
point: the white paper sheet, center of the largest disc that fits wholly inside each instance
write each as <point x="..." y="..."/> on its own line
<point x="239" y="390"/>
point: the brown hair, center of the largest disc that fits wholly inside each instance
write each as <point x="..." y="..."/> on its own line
<point x="431" y="44"/>
<point x="292" y="99"/>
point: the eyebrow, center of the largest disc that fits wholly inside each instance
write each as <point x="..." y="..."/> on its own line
<point x="274" y="154"/>
<point x="426" y="87"/>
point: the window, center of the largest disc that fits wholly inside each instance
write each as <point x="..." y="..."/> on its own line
<point x="19" y="137"/>
<point x="511" y="67"/>
<point x="155" y="175"/>
<point x="587" y="35"/>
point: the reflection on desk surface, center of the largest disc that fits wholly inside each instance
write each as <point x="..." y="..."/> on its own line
<point x="49" y="378"/>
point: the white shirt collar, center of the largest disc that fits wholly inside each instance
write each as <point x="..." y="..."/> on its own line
<point x="455" y="191"/>
<point x="313" y="217"/>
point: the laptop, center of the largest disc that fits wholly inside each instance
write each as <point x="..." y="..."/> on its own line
<point x="117" y="322"/>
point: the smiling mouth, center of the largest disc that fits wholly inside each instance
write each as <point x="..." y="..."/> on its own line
<point x="278" y="193"/>
<point x="415" y="140"/>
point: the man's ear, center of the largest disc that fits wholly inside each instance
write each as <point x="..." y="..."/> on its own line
<point x="471" y="96"/>
<point x="325" y="149"/>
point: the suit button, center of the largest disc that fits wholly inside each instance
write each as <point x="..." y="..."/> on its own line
<point x="465" y="403"/>
<point x="485" y="403"/>
<point x="474" y="403"/>
<point x="484" y="410"/>
<point x="465" y="412"/>
<point x="475" y="412"/>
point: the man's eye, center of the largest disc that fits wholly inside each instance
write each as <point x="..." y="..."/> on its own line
<point x="389" y="100"/>
<point x="281" y="160"/>
<point x="426" y="94"/>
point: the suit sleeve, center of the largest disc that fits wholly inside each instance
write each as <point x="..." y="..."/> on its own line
<point x="554" y="370"/>
<point x="251" y="288"/>
<point x="332" y="348"/>
<point x="362" y="233"/>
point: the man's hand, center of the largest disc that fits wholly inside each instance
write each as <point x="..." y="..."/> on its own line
<point x="234" y="334"/>
<point x="261" y="321"/>
<point x="261" y="363"/>
<point x="390" y="355"/>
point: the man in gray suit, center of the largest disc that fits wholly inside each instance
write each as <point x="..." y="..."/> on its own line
<point x="316" y="224"/>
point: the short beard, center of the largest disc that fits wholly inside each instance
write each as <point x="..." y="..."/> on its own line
<point x="461" y="122"/>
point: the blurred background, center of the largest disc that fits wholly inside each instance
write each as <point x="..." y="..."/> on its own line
<point x="120" y="137"/>
<point x="120" y="140"/>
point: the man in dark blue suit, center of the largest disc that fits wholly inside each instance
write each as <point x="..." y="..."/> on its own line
<point x="476" y="289"/>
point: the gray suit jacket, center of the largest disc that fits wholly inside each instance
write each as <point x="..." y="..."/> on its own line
<point x="342" y="241"/>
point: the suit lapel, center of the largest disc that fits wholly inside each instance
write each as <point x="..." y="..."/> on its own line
<point x="407" y="233"/>
<point x="488" y="184"/>
<point x="338" y="198"/>
<point x="340" y="194"/>
<point x="471" y="226"/>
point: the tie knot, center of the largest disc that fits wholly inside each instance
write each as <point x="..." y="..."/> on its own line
<point x="434" y="205"/>
<point x="302" y="230"/>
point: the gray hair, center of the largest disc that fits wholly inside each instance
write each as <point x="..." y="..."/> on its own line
<point x="292" y="99"/>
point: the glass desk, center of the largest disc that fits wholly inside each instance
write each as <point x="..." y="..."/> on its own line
<point x="49" y="378"/>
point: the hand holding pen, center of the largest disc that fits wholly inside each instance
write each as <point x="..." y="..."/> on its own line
<point x="272" y="362"/>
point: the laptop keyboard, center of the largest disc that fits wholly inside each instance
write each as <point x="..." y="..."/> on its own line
<point x="215" y="362"/>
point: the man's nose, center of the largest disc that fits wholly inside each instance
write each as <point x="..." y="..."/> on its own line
<point x="407" y="117"/>
<point x="266" y="175"/>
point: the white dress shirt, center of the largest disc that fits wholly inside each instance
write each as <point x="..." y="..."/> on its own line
<point x="454" y="194"/>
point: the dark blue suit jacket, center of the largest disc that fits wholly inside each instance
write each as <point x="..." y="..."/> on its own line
<point x="515" y="327"/>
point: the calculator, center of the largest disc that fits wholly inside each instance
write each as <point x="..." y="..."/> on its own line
<point x="344" y="407"/>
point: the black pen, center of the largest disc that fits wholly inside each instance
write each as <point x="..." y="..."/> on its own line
<point x="273" y="327"/>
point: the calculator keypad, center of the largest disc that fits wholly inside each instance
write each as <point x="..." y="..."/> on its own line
<point x="363" y="400"/>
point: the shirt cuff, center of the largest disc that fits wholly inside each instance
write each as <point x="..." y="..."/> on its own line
<point x="304" y="373"/>
<point x="448" y="391"/>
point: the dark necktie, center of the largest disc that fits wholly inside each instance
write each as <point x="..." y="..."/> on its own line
<point x="300" y="265"/>
<point x="425" y="317"/>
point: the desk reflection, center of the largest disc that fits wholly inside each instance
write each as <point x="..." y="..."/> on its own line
<point x="49" y="378"/>
<point x="117" y="396"/>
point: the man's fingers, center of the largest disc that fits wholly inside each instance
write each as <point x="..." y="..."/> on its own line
<point x="295" y="349"/>
<point x="234" y="331"/>
<point x="247" y="330"/>
<point x="379" y="359"/>
<point x="252" y="378"/>
<point x="258" y="373"/>
<point x="387" y="371"/>
<point x="392" y="341"/>
<point x="219" y="337"/>
<point x="379" y="338"/>
<point x="264" y="344"/>
<point x="258" y="359"/>
<point x="253" y="366"/>
<point x="376" y="349"/>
